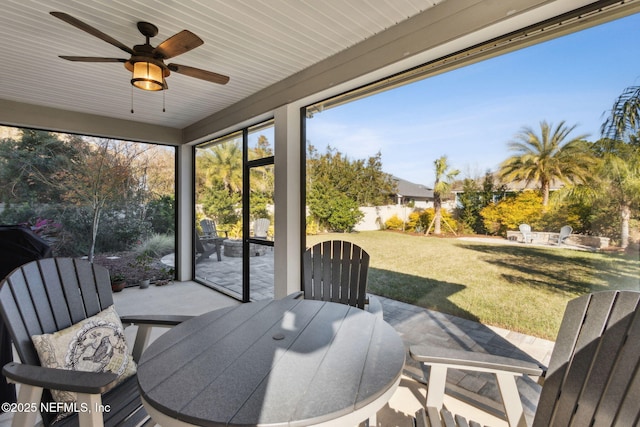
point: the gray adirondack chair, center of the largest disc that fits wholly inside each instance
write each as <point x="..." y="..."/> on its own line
<point x="592" y="379"/>
<point x="204" y="248"/>
<point x="210" y="241"/>
<point x="565" y="232"/>
<point x="52" y="294"/>
<point x="337" y="271"/>
<point x="209" y="230"/>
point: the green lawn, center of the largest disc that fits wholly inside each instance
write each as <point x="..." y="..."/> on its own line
<point x="517" y="287"/>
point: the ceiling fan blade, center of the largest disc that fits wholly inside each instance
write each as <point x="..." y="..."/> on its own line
<point x="89" y="29"/>
<point x="91" y="59"/>
<point x="177" y="44"/>
<point x="199" y="74"/>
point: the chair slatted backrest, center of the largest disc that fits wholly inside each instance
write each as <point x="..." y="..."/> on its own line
<point x="48" y="295"/>
<point x="565" y="231"/>
<point x="336" y="271"/>
<point x="261" y="227"/>
<point x="593" y="377"/>
<point x="209" y="228"/>
<point x="525" y="229"/>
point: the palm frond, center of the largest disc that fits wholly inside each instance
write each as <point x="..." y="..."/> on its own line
<point x="624" y="116"/>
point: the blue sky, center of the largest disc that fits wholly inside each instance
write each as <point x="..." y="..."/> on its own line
<point x="471" y="114"/>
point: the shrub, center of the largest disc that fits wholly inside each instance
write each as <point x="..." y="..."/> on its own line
<point x="426" y="217"/>
<point x="562" y="214"/>
<point x="510" y="212"/>
<point x="394" y="223"/>
<point x="235" y="230"/>
<point x="414" y="223"/>
<point x="156" y="246"/>
<point x="345" y="215"/>
<point x="119" y="231"/>
<point x="161" y="215"/>
<point x="333" y="210"/>
<point x="312" y="226"/>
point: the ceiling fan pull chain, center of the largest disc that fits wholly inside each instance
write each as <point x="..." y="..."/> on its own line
<point x="163" y="99"/>
<point x="131" y="99"/>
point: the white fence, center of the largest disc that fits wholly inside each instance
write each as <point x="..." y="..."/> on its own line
<point x="375" y="217"/>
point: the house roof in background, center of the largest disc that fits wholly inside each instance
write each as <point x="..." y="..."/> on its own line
<point x="412" y="190"/>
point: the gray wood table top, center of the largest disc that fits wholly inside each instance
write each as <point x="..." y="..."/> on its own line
<point x="277" y="363"/>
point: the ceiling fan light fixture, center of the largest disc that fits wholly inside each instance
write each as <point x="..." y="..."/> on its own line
<point x="147" y="76"/>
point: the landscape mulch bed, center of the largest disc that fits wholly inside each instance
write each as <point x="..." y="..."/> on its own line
<point x="124" y="263"/>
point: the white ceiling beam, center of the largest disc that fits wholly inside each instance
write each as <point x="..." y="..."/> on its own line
<point x="20" y="114"/>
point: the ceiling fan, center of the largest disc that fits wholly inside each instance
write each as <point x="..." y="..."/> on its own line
<point x="146" y="62"/>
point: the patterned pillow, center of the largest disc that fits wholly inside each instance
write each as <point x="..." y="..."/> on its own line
<point x="96" y="344"/>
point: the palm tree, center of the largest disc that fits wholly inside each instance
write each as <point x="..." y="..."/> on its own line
<point x="442" y="186"/>
<point x="620" y="171"/>
<point x="547" y="157"/>
<point x="226" y="165"/>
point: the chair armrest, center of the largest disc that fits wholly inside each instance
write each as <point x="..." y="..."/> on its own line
<point x="154" y="320"/>
<point x="295" y="295"/>
<point x="472" y="360"/>
<point x="145" y="324"/>
<point x="59" y="379"/>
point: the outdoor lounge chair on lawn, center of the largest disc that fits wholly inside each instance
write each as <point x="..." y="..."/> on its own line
<point x="592" y="379"/>
<point x="527" y="235"/>
<point x="564" y="233"/>
<point x="59" y="312"/>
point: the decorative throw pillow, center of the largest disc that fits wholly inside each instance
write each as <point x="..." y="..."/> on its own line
<point x="96" y="344"/>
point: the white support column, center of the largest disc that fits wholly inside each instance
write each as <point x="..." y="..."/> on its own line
<point x="287" y="197"/>
<point x="184" y="203"/>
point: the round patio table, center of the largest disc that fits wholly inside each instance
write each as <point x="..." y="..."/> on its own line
<point x="288" y="362"/>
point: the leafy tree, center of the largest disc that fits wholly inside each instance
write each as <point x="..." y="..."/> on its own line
<point x="223" y="163"/>
<point x="624" y="118"/>
<point x="220" y="181"/>
<point x="220" y="204"/>
<point x="337" y="186"/>
<point x="469" y="205"/>
<point x="345" y="214"/>
<point x="35" y="157"/>
<point x="261" y="150"/>
<point x="102" y="174"/>
<point x="441" y="187"/>
<point x="619" y="151"/>
<point x="474" y="197"/>
<point x="361" y="180"/>
<point x="618" y="181"/>
<point x="161" y="214"/>
<point x="548" y="156"/>
<point x="158" y="165"/>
